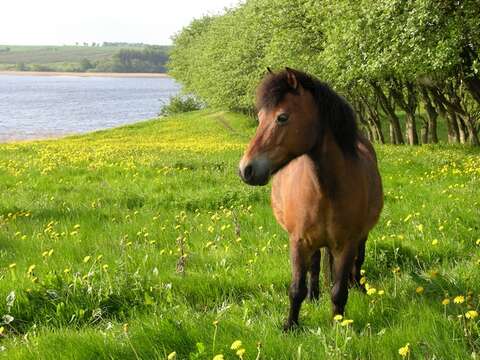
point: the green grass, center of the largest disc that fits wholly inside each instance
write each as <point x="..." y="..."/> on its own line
<point x="105" y="217"/>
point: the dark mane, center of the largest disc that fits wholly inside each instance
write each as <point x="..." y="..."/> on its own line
<point x="335" y="112"/>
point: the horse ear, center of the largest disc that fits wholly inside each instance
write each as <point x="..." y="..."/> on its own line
<point x="269" y="70"/>
<point x="291" y="78"/>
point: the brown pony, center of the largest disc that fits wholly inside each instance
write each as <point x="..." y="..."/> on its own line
<point x="326" y="191"/>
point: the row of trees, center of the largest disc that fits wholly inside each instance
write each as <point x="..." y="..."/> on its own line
<point x="404" y="65"/>
<point x="150" y="59"/>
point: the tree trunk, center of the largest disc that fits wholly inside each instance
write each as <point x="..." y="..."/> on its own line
<point x="391" y="115"/>
<point x="411" y="129"/>
<point x="452" y="126"/>
<point x="472" y="131"/>
<point x="432" y="136"/>
<point x="462" y="129"/>
<point x="409" y="105"/>
<point x="391" y="133"/>
<point x="448" y="111"/>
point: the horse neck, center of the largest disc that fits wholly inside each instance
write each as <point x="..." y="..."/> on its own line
<point x="330" y="163"/>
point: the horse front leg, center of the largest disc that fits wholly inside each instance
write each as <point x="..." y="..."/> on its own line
<point x="343" y="263"/>
<point x="298" y="286"/>
<point x="357" y="266"/>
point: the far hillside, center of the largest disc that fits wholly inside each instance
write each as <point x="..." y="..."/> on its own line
<point x="109" y="57"/>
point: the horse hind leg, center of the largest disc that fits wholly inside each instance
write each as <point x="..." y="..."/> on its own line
<point x="357" y="265"/>
<point x="343" y="263"/>
<point x="298" y="286"/>
<point x="314" y="283"/>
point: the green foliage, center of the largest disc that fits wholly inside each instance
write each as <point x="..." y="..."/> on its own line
<point x="146" y="242"/>
<point x="180" y="104"/>
<point x="396" y="47"/>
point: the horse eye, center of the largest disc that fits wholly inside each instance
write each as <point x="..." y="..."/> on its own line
<point x="282" y="118"/>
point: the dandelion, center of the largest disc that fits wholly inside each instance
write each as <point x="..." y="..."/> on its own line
<point x="338" y="317"/>
<point x="445" y="301"/>
<point x="472" y="314"/>
<point x="371" y="291"/>
<point x="30" y="269"/>
<point x="218" y="357"/>
<point x="404" y="351"/>
<point x="346" y="322"/>
<point x="240" y="353"/>
<point x="172" y="355"/>
<point x="434" y="242"/>
<point x="381" y="292"/>
<point x="87" y="258"/>
<point x="237" y="344"/>
<point x="478" y="242"/>
<point x="419" y="290"/>
<point x="459" y="299"/>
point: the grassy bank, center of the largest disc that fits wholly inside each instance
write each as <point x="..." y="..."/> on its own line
<point x="140" y="241"/>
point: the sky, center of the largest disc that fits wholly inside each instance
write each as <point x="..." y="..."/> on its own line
<point x="65" y="22"/>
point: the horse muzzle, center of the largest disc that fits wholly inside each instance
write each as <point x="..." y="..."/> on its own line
<point x="255" y="172"/>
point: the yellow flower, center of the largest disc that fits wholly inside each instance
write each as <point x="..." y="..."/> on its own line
<point x="346" y="322"/>
<point x="218" y="357"/>
<point x="125" y="328"/>
<point x="240" y="353"/>
<point x="446" y="301"/>
<point x="172" y="355"/>
<point x="30" y="269"/>
<point x="472" y="314"/>
<point x="371" y="291"/>
<point x="2" y="329"/>
<point x="434" y="242"/>
<point x="478" y="242"/>
<point x="363" y="280"/>
<point x="405" y="350"/>
<point x="419" y="290"/>
<point x="87" y="258"/>
<point x="459" y="299"/>
<point x="338" y="317"/>
<point x="237" y="344"/>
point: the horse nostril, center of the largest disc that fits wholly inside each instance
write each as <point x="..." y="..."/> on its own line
<point x="248" y="172"/>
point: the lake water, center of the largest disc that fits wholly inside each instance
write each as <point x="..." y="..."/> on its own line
<point x="47" y="106"/>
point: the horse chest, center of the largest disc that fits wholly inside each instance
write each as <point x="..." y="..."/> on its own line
<point x="299" y="205"/>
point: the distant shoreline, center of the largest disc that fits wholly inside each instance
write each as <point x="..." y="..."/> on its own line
<point x="85" y="74"/>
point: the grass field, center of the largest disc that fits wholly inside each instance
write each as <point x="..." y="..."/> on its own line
<point x="142" y="241"/>
<point x="55" y="58"/>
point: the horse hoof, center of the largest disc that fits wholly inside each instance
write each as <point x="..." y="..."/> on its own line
<point x="289" y="326"/>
